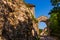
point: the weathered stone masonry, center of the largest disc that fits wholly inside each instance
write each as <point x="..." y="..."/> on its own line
<point x="16" y="22"/>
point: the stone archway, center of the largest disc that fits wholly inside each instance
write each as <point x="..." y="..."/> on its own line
<point x="42" y="19"/>
<point x="45" y="20"/>
<point x="35" y="25"/>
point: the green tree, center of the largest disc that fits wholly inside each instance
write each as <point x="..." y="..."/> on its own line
<point x="55" y="2"/>
<point x="55" y="19"/>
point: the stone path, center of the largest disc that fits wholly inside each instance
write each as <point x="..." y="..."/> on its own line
<point x="46" y="38"/>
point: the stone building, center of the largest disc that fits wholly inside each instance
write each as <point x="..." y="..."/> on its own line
<point x="17" y="21"/>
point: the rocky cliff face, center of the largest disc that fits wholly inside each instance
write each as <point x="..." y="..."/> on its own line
<point x="16" y="22"/>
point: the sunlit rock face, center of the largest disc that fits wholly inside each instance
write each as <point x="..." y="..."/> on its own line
<point x="15" y="21"/>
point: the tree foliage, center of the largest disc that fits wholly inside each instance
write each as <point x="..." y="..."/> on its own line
<point x="55" y="19"/>
<point x="55" y="2"/>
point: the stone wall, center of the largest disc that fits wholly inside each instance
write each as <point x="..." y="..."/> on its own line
<point x="16" y="22"/>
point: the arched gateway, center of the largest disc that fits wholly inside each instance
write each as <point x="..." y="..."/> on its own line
<point x="35" y="25"/>
<point x="45" y="20"/>
<point x="42" y="19"/>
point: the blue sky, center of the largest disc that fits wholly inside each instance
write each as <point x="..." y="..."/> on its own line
<point x="42" y="8"/>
